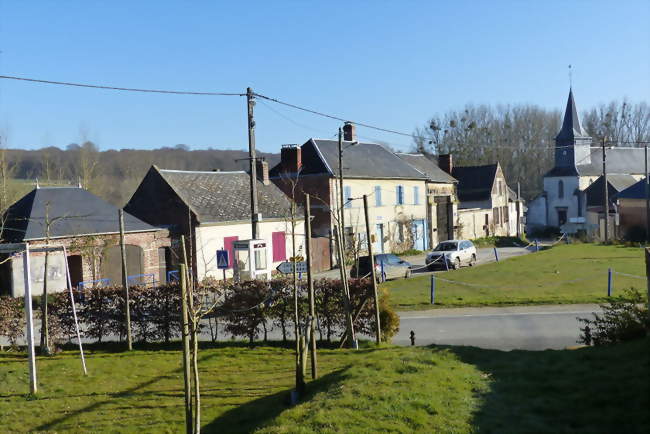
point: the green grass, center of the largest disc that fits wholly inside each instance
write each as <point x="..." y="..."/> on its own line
<point x="574" y="273"/>
<point x="412" y="389"/>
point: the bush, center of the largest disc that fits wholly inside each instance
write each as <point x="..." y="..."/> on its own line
<point x="636" y="234"/>
<point x="12" y="319"/>
<point x="623" y="319"/>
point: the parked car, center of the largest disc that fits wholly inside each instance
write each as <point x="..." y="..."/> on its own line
<point x="393" y="267"/>
<point x="452" y="254"/>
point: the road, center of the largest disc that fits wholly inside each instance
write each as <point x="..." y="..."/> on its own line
<point x="521" y="327"/>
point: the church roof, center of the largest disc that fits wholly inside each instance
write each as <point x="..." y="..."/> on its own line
<point x="571" y="128"/>
<point x="620" y="160"/>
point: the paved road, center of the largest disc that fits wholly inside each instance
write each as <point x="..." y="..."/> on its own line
<point x="522" y="327"/>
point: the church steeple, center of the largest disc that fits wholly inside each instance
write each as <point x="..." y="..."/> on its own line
<point x="572" y="143"/>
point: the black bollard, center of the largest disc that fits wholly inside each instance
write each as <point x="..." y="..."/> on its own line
<point x="412" y="337"/>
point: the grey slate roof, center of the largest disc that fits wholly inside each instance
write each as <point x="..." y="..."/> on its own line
<point x="620" y="160"/>
<point x="571" y="127"/>
<point x="71" y="211"/>
<point x="475" y="182"/>
<point x="427" y="166"/>
<point x="635" y="191"/>
<point x="225" y="196"/>
<point x="363" y="160"/>
<point x="616" y="184"/>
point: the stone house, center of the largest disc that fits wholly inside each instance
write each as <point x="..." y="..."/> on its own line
<point x="632" y="211"/>
<point x="88" y="227"/>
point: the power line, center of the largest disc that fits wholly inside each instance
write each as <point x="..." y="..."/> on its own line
<point x="125" y="89"/>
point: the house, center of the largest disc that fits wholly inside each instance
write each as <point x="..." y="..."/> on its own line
<point x="88" y="227"/>
<point x="213" y="211"/>
<point x="633" y="212"/>
<point x="396" y="192"/>
<point x="594" y="197"/>
<point x="487" y="206"/>
<point x="441" y="197"/>
<point x="577" y="165"/>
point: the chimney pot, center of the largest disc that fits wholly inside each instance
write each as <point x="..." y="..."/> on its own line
<point x="263" y="171"/>
<point x="445" y="162"/>
<point x="349" y="132"/>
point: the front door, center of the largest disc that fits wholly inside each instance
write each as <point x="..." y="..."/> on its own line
<point x="561" y="217"/>
<point x="378" y="245"/>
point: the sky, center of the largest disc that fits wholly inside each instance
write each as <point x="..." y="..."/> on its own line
<point x="390" y="64"/>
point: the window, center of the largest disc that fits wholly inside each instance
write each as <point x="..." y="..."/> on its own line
<point x="416" y="195"/>
<point x="560" y="189"/>
<point x="399" y="195"/>
<point x="347" y="194"/>
<point x="377" y="195"/>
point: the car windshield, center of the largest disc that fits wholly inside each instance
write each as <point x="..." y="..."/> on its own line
<point x="447" y="246"/>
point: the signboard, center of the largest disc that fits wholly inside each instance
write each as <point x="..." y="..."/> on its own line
<point x="222" y="259"/>
<point x="287" y="267"/>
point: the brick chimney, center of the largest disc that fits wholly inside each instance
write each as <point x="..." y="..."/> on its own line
<point x="349" y="132"/>
<point x="291" y="158"/>
<point x="445" y="163"/>
<point x="263" y="171"/>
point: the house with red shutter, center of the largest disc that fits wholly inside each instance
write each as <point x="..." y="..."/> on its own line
<point x="212" y="210"/>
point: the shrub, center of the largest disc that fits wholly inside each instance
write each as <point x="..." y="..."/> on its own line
<point x="245" y="308"/>
<point x="12" y="319"/>
<point x="623" y="319"/>
<point x="636" y="234"/>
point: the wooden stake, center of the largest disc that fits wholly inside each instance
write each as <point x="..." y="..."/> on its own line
<point x="310" y="286"/>
<point x="125" y="283"/>
<point x="186" y="351"/>
<point x="647" y="273"/>
<point x="372" y="270"/>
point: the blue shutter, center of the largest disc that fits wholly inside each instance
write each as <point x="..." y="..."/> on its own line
<point x="400" y="195"/>
<point x="347" y="194"/>
<point x="416" y="195"/>
<point x="377" y="195"/>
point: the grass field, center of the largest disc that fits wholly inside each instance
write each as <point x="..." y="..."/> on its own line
<point x="437" y="389"/>
<point x="575" y="273"/>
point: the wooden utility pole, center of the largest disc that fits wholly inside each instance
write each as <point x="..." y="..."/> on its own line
<point x="605" y="193"/>
<point x="250" y="98"/>
<point x="373" y="274"/>
<point x="186" y="351"/>
<point x="647" y="197"/>
<point x="29" y="314"/>
<point x="341" y="198"/>
<point x="310" y="287"/>
<point x="125" y="283"/>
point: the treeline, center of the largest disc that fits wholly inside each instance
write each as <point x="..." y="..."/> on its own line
<point x="112" y="174"/>
<point x="521" y="137"/>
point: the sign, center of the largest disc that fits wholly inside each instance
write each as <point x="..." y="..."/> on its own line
<point x="222" y="259"/>
<point x="287" y="267"/>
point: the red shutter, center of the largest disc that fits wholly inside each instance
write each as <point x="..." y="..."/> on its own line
<point x="227" y="245"/>
<point x="279" y="246"/>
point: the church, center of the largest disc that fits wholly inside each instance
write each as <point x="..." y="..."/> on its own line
<point x="565" y="202"/>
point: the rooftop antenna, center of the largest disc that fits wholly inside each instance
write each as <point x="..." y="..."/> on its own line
<point x="570" y="77"/>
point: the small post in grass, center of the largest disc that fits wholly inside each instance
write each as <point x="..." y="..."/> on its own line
<point x="383" y="275"/>
<point x="536" y="246"/>
<point x="609" y="282"/>
<point x="496" y="254"/>
<point x="444" y="259"/>
<point x="433" y="289"/>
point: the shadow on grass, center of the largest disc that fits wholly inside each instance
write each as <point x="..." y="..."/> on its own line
<point x="255" y="414"/>
<point x="594" y="390"/>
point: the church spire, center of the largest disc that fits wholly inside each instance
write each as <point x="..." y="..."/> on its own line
<point x="571" y="128"/>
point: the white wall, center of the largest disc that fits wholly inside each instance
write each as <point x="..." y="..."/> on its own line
<point x="210" y="238"/>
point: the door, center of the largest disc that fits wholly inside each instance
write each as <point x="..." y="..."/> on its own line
<point x="419" y="235"/>
<point x="561" y="217"/>
<point x="378" y="245"/>
<point x="76" y="270"/>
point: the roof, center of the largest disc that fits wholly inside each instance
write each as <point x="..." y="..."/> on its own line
<point x="571" y="128"/>
<point x="225" y="196"/>
<point x="635" y="191"/>
<point x="620" y="160"/>
<point x="427" y="166"/>
<point x="616" y="184"/>
<point x="475" y="182"/>
<point x="70" y="211"/>
<point x="361" y="160"/>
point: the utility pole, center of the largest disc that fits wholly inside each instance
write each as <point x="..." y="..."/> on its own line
<point x="373" y="275"/>
<point x="310" y="287"/>
<point x="125" y="283"/>
<point x="250" y="99"/>
<point x="647" y="197"/>
<point x="518" y="210"/>
<point x="341" y="198"/>
<point x="605" y="193"/>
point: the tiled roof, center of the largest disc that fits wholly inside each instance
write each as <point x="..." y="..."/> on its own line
<point x="427" y="166"/>
<point x="620" y="160"/>
<point x="225" y="196"/>
<point x="475" y="182"/>
<point x="70" y="211"/>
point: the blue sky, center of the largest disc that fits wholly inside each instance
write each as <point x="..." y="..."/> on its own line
<point x="392" y="64"/>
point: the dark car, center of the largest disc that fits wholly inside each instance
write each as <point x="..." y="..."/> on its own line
<point x="391" y="266"/>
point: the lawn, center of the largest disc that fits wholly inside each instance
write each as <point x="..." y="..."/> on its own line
<point x="412" y="389"/>
<point x="575" y="273"/>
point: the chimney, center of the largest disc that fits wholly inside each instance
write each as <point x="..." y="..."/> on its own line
<point x="349" y="132"/>
<point x="445" y="163"/>
<point x="291" y="158"/>
<point x="263" y="171"/>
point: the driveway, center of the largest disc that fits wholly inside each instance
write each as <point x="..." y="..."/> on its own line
<point x="520" y="327"/>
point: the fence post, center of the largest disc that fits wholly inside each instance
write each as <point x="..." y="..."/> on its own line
<point x="433" y="289"/>
<point x="496" y="254"/>
<point x="444" y="259"/>
<point x="383" y="275"/>
<point x="536" y="246"/>
<point x="609" y="282"/>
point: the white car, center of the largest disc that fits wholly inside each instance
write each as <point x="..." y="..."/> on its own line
<point x="452" y="254"/>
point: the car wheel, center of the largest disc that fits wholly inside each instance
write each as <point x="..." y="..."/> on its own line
<point x="472" y="261"/>
<point x="456" y="263"/>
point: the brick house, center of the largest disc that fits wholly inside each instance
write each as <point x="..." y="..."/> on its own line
<point x="88" y="227"/>
<point x="212" y="209"/>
